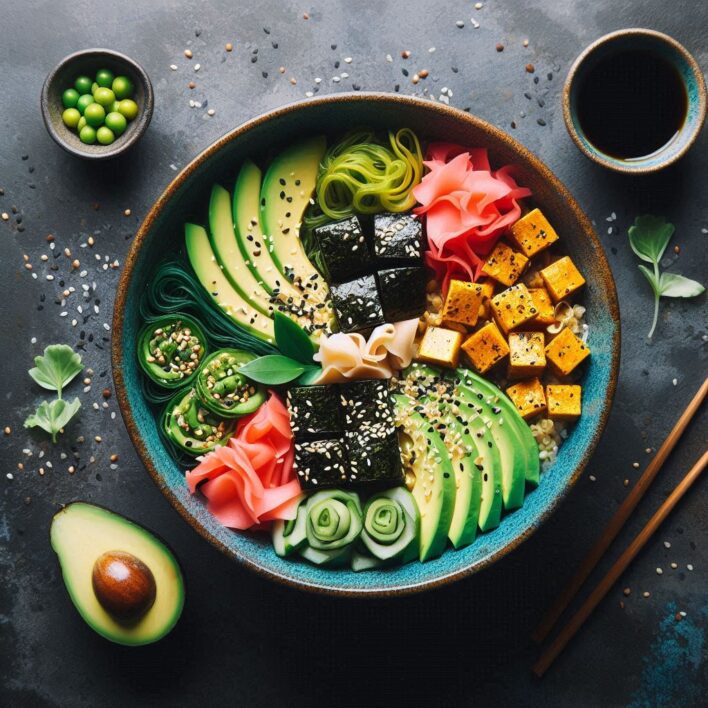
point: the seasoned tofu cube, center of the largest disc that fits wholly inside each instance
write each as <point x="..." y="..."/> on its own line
<point x="486" y="347"/>
<point x="526" y="354"/>
<point x="562" y="278"/>
<point x="544" y="306"/>
<point x="440" y="346"/>
<point x="528" y="397"/>
<point x="488" y="287"/>
<point x="513" y="307"/>
<point x="464" y="302"/>
<point x="565" y="352"/>
<point x="563" y="401"/>
<point x="504" y="264"/>
<point x="532" y="233"/>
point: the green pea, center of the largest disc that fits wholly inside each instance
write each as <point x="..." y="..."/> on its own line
<point x="69" y="98"/>
<point x="83" y="84"/>
<point x="95" y="114"/>
<point x="122" y="87"/>
<point x="71" y="117"/>
<point x="104" y="78"/>
<point x="128" y="108"/>
<point x="87" y="135"/>
<point x="104" y="96"/>
<point x="84" y="101"/>
<point x="82" y="122"/>
<point x="94" y="88"/>
<point x="116" y="122"/>
<point x="105" y="135"/>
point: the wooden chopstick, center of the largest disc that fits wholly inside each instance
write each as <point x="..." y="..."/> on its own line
<point x="620" y="565"/>
<point x="619" y="519"/>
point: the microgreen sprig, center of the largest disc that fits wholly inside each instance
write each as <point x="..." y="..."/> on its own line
<point x="648" y="237"/>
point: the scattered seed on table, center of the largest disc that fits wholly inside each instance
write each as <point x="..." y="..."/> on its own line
<point x="540" y="121"/>
<point x="499" y="47"/>
<point x="423" y="74"/>
<point x="305" y="16"/>
<point x="674" y="565"/>
<point x="293" y="80"/>
<point x="627" y="591"/>
<point x="593" y="478"/>
<point x="667" y="544"/>
<point x="114" y="458"/>
<point x="474" y="22"/>
<point x="191" y="85"/>
<point x="188" y="53"/>
<point x="405" y="54"/>
<point x="127" y="212"/>
<point x="646" y="593"/>
<point x="347" y="60"/>
<point x="659" y="571"/>
<point x="478" y="6"/>
<point x="7" y="430"/>
<point x="460" y="24"/>
<point x="5" y="216"/>
<point x="635" y="465"/>
<point x="229" y="47"/>
<point x="530" y="68"/>
<point x="75" y="263"/>
<point x="211" y="112"/>
<point x="197" y="67"/>
<point x="689" y="566"/>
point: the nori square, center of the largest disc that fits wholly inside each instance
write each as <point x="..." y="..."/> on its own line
<point x="321" y="463"/>
<point x="357" y="304"/>
<point x="374" y="457"/>
<point x="366" y="404"/>
<point x="402" y="292"/>
<point x="315" y="411"/>
<point x="345" y="253"/>
<point x="398" y="240"/>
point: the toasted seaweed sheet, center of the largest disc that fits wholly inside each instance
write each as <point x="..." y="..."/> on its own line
<point x="357" y="304"/>
<point x="315" y="412"/>
<point x="398" y="239"/>
<point x="402" y="292"/>
<point x="343" y="249"/>
<point x="321" y="463"/>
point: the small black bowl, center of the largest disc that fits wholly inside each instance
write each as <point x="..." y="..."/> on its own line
<point x="88" y="62"/>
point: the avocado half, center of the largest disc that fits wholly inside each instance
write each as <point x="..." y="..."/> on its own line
<point x="82" y="532"/>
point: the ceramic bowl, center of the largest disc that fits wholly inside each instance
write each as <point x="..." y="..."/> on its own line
<point x="688" y="70"/>
<point x="187" y="197"/>
<point x="88" y="62"/>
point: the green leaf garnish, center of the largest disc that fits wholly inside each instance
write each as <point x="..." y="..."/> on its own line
<point x="272" y="369"/>
<point x="292" y="340"/>
<point x="53" y="416"/>
<point x="56" y="367"/>
<point x="309" y="376"/>
<point x="648" y="237"/>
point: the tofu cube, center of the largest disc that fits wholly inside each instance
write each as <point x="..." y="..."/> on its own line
<point x="486" y="347"/>
<point x="562" y="279"/>
<point x="464" y="302"/>
<point x="563" y="401"/>
<point x="526" y="354"/>
<point x="440" y="346"/>
<point x="565" y="352"/>
<point x="532" y="233"/>
<point x="528" y="397"/>
<point x="504" y="264"/>
<point x="545" y="311"/>
<point x="513" y="307"/>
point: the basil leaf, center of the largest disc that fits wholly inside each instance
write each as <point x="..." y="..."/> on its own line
<point x="653" y="281"/>
<point x="272" y="369"/>
<point x="649" y="236"/>
<point x="309" y="376"/>
<point x="292" y="340"/>
<point x="53" y="416"/>
<point x="56" y="367"/>
<point x="674" y="285"/>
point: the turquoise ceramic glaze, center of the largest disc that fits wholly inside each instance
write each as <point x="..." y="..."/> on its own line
<point x="671" y="51"/>
<point x="187" y="197"/>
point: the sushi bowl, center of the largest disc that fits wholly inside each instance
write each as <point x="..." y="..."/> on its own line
<point x="183" y="201"/>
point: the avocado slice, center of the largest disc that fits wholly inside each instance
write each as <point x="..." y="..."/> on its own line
<point x="426" y="460"/>
<point x="287" y="187"/>
<point x="80" y="534"/>
<point x="227" y="252"/>
<point x="291" y="299"/>
<point x="525" y="446"/>
<point x="210" y="275"/>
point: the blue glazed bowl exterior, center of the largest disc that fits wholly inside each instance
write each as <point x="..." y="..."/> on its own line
<point x="187" y="197"/>
<point x="671" y="51"/>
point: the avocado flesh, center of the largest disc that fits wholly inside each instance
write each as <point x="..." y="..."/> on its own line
<point x="434" y="488"/>
<point x="256" y="253"/>
<point x="526" y="447"/>
<point x="233" y="264"/>
<point x="209" y="273"/>
<point x="287" y="187"/>
<point x="79" y="534"/>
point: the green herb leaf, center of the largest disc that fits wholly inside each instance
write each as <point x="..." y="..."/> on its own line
<point x="56" y="367"/>
<point x="674" y="285"/>
<point x="272" y="369"/>
<point x="653" y="280"/>
<point x="309" y="376"/>
<point x="292" y="340"/>
<point x="649" y="237"/>
<point x="53" y="416"/>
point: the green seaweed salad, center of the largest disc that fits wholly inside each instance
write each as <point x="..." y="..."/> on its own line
<point x="279" y="351"/>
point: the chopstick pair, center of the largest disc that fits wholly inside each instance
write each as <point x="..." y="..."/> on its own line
<point x="613" y="528"/>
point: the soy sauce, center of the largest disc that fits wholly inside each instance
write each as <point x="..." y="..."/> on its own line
<point x="631" y="104"/>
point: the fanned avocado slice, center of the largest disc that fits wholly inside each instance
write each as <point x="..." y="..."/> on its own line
<point x="82" y="534"/>
<point x="228" y="253"/>
<point x="287" y="188"/>
<point x="209" y="273"/>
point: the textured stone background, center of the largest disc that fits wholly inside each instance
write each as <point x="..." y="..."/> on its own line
<point x="242" y="640"/>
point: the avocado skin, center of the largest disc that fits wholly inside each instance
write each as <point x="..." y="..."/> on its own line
<point x="113" y="630"/>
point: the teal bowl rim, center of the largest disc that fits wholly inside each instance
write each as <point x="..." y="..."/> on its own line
<point x="488" y="547"/>
<point x="693" y="81"/>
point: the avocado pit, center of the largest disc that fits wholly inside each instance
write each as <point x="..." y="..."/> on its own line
<point x="123" y="585"/>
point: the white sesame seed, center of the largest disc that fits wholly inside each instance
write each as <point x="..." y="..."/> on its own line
<point x="173" y="67"/>
<point x="659" y="571"/>
<point x="689" y="566"/>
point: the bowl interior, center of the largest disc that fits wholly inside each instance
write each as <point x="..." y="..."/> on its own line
<point x="88" y="63"/>
<point x="187" y="198"/>
<point x="672" y="52"/>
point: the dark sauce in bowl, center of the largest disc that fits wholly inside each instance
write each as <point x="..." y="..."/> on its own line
<point x="631" y="104"/>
